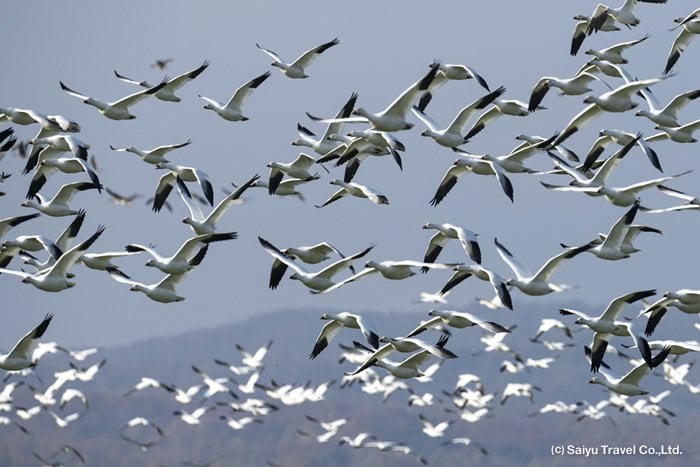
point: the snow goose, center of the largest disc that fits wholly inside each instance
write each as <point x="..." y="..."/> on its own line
<point x="610" y="246"/>
<point x="582" y="26"/>
<point x="296" y="69"/>
<point x="471" y="163"/>
<point x="537" y="284"/>
<point x="50" y="147"/>
<point x="359" y="147"/>
<point x="456" y="319"/>
<point x="201" y="224"/>
<point x="444" y="233"/>
<point x="185" y="174"/>
<point x="58" y="205"/>
<point x="68" y="165"/>
<point x="320" y="280"/>
<point x="583" y="180"/>
<point x="231" y="110"/>
<point x="167" y="92"/>
<point x="254" y="360"/>
<point x="613" y="54"/>
<point x="54" y="279"/>
<point x="604" y="326"/>
<point x="354" y="189"/>
<point x="623" y="14"/>
<point x="500" y="107"/>
<point x="486" y="164"/>
<point x="19" y="357"/>
<point x="24" y="243"/>
<point x="119" y="109"/>
<point x="690" y="27"/>
<point x="451" y="136"/>
<point x="434" y="430"/>
<point x="333" y="425"/>
<point x="393" y="118"/>
<point x="668" y="115"/>
<point x="622" y="138"/>
<point x="324" y="144"/>
<point x="214" y="385"/>
<point x="313" y="254"/>
<point x="620" y="196"/>
<point x="393" y="270"/>
<point x="408" y="368"/>
<point x="8" y="223"/>
<point x="686" y="300"/>
<point x="465" y="271"/>
<point x="519" y="390"/>
<point x="194" y="417"/>
<point x="628" y="385"/>
<point x="337" y="321"/>
<point x="570" y="86"/>
<point x="96" y="261"/>
<point x="155" y="155"/>
<point x="144" y="383"/>
<point x="679" y="134"/>
<point x="465" y="442"/>
<point x="449" y="71"/>
<point x="547" y="324"/>
<point x="298" y="168"/>
<point x="162" y="291"/>
<point x="617" y="100"/>
<point x="30" y="117"/>
<point x="404" y="344"/>
<point x="239" y="424"/>
<point x="179" y="262"/>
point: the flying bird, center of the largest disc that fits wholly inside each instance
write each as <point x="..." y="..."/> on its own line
<point x="297" y="68"/>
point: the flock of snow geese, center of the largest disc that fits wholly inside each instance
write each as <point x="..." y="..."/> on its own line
<point x="52" y="260"/>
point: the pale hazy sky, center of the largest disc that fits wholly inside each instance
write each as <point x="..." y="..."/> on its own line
<point x="384" y="47"/>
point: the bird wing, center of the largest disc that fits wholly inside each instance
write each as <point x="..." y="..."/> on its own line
<point x="510" y="260"/>
<point x="241" y="94"/>
<point x="431" y="323"/>
<point x="484" y="119"/>
<point x="578" y="121"/>
<point x="677" y="48"/>
<point x="325" y="336"/>
<point x="617" y="304"/>
<point x="310" y="55"/>
<point x="619" y="230"/>
<point x="460" y="120"/>
<point x="278" y="255"/>
<point x="272" y="54"/>
<point x="132" y="99"/>
<point x="635" y="375"/>
<point x="67" y="191"/>
<point x="408" y="97"/>
<point x="230" y="200"/>
<point x="354" y="277"/>
<point x="165" y="186"/>
<point x="181" y="79"/>
<point x="25" y="345"/>
<point x="68" y="258"/>
<point x="548" y="267"/>
<point x="426" y="119"/>
<point x="415" y="360"/>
